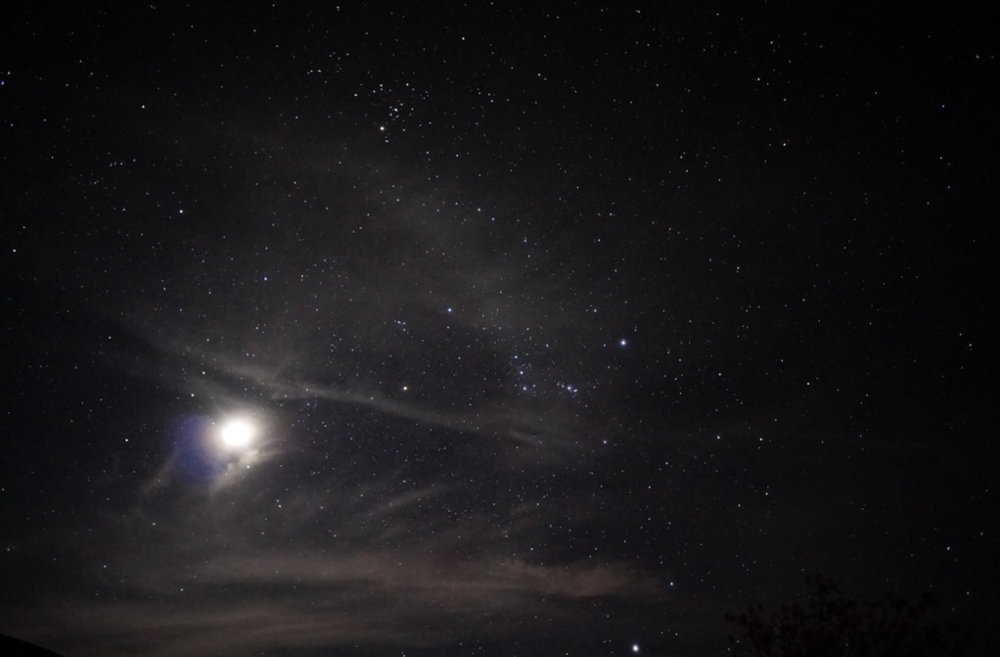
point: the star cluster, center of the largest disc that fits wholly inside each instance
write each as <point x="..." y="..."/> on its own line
<point x="482" y="328"/>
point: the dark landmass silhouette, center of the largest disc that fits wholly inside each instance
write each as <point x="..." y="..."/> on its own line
<point x="11" y="647"/>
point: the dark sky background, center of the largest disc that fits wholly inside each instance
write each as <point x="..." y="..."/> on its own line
<point x="565" y="328"/>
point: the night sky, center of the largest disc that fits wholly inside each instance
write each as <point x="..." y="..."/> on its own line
<point x="491" y="328"/>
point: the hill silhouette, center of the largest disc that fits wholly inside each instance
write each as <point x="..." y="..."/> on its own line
<point x="11" y="647"/>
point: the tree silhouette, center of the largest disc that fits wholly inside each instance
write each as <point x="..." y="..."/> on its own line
<point x="834" y="625"/>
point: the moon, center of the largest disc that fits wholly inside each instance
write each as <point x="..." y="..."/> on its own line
<point x="237" y="434"/>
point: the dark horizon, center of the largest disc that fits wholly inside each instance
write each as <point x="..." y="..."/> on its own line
<point x="554" y="328"/>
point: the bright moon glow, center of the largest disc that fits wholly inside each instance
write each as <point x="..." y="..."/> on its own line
<point x="237" y="434"/>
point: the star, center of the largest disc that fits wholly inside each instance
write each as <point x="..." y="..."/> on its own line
<point x="456" y="231"/>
